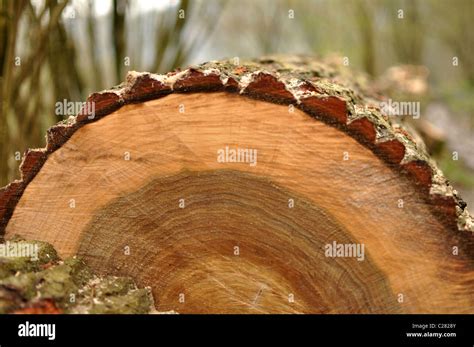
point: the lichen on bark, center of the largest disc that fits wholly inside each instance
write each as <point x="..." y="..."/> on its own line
<point x="44" y="283"/>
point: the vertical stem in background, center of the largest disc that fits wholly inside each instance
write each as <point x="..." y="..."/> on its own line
<point x="163" y="38"/>
<point x="4" y="26"/>
<point x="11" y="12"/>
<point x="3" y="33"/>
<point x="177" y="37"/>
<point x="118" y="24"/>
<point x="169" y="37"/>
<point x="4" y="43"/>
<point x="365" y="19"/>
<point x="73" y="80"/>
<point x="97" y="79"/>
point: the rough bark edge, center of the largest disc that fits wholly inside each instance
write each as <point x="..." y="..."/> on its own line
<point x="323" y="90"/>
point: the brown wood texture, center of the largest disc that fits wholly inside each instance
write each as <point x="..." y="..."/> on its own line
<point x="139" y="190"/>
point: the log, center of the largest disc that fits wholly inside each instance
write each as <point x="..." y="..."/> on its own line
<point x="272" y="186"/>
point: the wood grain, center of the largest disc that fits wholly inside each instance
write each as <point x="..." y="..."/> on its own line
<point x="134" y="203"/>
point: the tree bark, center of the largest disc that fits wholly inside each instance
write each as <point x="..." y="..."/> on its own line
<point x="329" y="207"/>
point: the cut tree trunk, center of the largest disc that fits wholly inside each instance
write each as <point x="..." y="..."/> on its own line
<point x="330" y="207"/>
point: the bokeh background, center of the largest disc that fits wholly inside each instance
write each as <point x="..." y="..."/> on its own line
<point x="421" y="50"/>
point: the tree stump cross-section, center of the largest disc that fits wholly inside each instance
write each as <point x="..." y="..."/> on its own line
<point x="273" y="186"/>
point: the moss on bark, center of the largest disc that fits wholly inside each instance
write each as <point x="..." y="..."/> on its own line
<point x="43" y="283"/>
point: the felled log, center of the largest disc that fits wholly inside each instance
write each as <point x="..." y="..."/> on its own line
<point x="272" y="186"/>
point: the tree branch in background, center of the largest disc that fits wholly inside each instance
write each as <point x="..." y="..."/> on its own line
<point x="97" y="78"/>
<point x="11" y="11"/>
<point x="364" y="17"/>
<point x="118" y="24"/>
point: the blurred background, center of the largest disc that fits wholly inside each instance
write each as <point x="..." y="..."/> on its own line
<point x="422" y="50"/>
